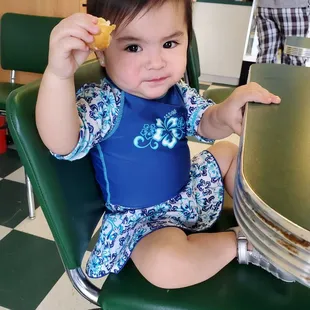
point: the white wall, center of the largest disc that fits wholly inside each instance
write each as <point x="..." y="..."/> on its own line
<point x="221" y="34"/>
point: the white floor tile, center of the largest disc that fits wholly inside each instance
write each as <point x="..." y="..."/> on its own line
<point x="196" y="147"/>
<point x="17" y="176"/>
<point x="98" y="282"/>
<point x="64" y="297"/>
<point x="98" y="225"/>
<point x="214" y="86"/>
<point x="37" y="226"/>
<point x="3" y="232"/>
<point x="232" y="138"/>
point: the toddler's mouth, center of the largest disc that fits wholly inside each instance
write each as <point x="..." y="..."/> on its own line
<point x="158" y="79"/>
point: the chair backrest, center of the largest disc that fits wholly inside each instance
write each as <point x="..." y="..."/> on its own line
<point x="193" y="64"/>
<point x="24" y="41"/>
<point x="67" y="191"/>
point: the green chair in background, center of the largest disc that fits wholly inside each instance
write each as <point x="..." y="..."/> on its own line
<point x="24" y="41"/>
<point x="72" y="204"/>
<point x="192" y="73"/>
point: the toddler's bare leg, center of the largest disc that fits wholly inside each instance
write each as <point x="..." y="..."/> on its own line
<point x="169" y="259"/>
<point x="226" y="155"/>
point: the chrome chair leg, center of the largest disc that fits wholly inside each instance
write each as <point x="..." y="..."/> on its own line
<point x="30" y="198"/>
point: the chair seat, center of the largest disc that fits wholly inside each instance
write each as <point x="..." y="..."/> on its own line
<point x="5" y="89"/>
<point x="234" y="287"/>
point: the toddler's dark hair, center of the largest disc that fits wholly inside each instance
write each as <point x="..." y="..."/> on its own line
<point x="119" y="11"/>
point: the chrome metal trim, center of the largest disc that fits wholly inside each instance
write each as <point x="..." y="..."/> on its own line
<point x="284" y="243"/>
<point x="30" y="199"/>
<point x="12" y="76"/>
<point x="296" y="51"/>
<point x="81" y="283"/>
<point x="287" y="224"/>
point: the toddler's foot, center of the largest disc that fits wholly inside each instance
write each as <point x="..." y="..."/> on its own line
<point x="246" y="256"/>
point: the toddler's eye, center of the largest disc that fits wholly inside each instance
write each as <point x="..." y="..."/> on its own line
<point x="170" y="44"/>
<point x="133" y="48"/>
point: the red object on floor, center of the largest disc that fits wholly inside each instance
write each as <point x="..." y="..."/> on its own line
<point x="3" y="145"/>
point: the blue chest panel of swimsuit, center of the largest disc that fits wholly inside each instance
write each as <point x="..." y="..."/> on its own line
<point x="146" y="160"/>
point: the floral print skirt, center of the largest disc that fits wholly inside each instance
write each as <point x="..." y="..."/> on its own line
<point x="195" y="208"/>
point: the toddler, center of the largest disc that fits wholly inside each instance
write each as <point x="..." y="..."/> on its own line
<point x="134" y="124"/>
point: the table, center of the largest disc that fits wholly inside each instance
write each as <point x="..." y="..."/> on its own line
<point x="272" y="193"/>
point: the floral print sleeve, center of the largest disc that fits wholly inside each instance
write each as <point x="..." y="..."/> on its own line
<point x="98" y="108"/>
<point x="196" y="106"/>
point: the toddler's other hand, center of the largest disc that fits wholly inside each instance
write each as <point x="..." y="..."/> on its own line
<point x="68" y="44"/>
<point x="231" y="110"/>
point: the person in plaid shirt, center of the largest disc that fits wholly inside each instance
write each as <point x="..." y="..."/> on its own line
<point x="277" y="19"/>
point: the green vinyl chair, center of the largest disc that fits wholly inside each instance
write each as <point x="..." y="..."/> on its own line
<point x="24" y="41"/>
<point x="192" y="73"/>
<point x="72" y="204"/>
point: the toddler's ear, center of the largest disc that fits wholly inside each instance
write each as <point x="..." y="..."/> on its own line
<point x="100" y="57"/>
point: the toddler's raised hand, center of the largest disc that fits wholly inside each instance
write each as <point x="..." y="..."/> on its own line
<point x="230" y="111"/>
<point x="68" y="44"/>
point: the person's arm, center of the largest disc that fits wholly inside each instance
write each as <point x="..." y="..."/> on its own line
<point x="196" y="106"/>
<point x="98" y="109"/>
<point x="211" y="124"/>
<point x="56" y="113"/>
<point x="221" y="120"/>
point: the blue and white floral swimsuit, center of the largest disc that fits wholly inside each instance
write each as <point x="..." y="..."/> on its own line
<point x="142" y="164"/>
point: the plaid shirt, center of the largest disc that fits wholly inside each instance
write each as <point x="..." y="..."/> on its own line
<point x="279" y="4"/>
<point x="273" y="26"/>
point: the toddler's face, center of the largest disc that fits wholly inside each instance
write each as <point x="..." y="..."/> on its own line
<point x="148" y="56"/>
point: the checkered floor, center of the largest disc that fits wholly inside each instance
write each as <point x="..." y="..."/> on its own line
<point x="31" y="273"/>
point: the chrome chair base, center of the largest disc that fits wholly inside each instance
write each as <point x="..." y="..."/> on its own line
<point x="30" y="199"/>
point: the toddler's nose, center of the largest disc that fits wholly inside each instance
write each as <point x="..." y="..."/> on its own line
<point x="155" y="61"/>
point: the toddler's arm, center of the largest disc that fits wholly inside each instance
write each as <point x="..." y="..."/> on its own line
<point x="56" y="113"/>
<point x="221" y="120"/>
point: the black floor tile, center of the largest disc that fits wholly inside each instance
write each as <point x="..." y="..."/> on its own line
<point x="13" y="203"/>
<point x="9" y="162"/>
<point x="29" y="268"/>
<point x="93" y="241"/>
